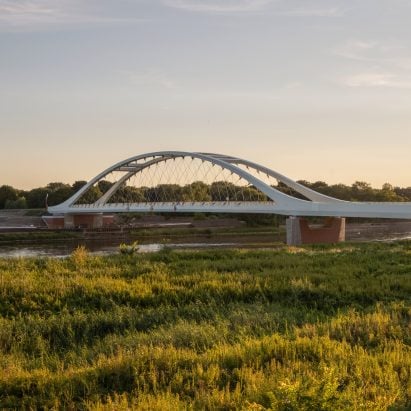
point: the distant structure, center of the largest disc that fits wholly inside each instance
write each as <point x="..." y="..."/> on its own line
<point x="181" y="182"/>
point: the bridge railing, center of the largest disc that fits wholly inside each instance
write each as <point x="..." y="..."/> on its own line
<point x="205" y="204"/>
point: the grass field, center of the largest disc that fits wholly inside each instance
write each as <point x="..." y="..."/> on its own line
<point x="314" y="328"/>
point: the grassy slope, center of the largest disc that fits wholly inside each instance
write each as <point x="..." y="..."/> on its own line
<point x="314" y="328"/>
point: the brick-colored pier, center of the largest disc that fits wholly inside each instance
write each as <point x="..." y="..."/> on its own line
<point x="97" y="220"/>
<point x="299" y="231"/>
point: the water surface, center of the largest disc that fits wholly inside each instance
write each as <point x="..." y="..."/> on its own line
<point x="97" y="248"/>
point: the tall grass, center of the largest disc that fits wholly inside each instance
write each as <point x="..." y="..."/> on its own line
<point x="293" y="329"/>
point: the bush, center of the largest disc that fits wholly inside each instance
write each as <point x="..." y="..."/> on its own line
<point x="79" y="256"/>
<point x="128" y="249"/>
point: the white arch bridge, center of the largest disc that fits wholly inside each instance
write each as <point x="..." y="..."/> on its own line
<point x="179" y="181"/>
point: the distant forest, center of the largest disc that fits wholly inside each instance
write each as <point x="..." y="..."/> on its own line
<point x="13" y="198"/>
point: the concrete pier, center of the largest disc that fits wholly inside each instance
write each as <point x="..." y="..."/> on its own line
<point x="300" y="232"/>
<point x="97" y="220"/>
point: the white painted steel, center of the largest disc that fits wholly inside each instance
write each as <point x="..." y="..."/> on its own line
<point x="316" y="205"/>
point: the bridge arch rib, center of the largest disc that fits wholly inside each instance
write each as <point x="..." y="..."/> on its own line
<point x="299" y="188"/>
<point x="137" y="164"/>
<point x="315" y="204"/>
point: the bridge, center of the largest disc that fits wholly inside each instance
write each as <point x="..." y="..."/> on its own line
<point x="192" y="182"/>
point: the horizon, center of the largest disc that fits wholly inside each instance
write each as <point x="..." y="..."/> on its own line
<point x="330" y="184"/>
<point x="316" y="90"/>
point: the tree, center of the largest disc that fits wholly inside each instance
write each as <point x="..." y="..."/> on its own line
<point x="362" y="191"/>
<point x="7" y="193"/>
<point x="104" y="185"/>
<point x="90" y="196"/>
<point x="36" y="198"/>
<point x="251" y="194"/>
<point x="19" y="203"/>
<point x="387" y="193"/>
<point x="340" y="191"/>
<point x="403" y="192"/>
<point x="58" y="192"/>
<point x="223" y="191"/>
<point x="128" y="194"/>
<point x="197" y="191"/>
<point x="164" y="193"/>
<point x="77" y="185"/>
<point x="319" y="186"/>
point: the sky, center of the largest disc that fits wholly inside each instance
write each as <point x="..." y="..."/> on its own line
<point x="314" y="89"/>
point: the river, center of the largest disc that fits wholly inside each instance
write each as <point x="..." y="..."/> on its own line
<point x="355" y="232"/>
<point x="60" y="250"/>
<point x="56" y="250"/>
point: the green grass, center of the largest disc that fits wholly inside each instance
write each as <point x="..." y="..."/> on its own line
<point x="313" y="328"/>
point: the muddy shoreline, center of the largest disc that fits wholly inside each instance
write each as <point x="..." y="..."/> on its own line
<point x="377" y="230"/>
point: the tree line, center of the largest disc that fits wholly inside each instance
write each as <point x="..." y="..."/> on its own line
<point x="57" y="192"/>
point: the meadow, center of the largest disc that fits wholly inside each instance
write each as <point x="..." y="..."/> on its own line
<point x="308" y="328"/>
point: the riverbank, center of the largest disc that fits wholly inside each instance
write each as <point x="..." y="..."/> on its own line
<point x="153" y="229"/>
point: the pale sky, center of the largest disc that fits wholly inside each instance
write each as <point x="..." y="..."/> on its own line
<point x="314" y="89"/>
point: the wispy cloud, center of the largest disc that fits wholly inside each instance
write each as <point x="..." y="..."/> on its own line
<point x="377" y="79"/>
<point x="314" y="12"/>
<point x="375" y="52"/>
<point x="25" y="11"/>
<point x="376" y="64"/>
<point x="24" y="7"/>
<point x="238" y="6"/>
<point x="27" y="15"/>
<point x="218" y="6"/>
<point x="364" y="50"/>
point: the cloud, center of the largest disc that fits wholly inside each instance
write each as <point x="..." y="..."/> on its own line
<point x="362" y="50"/>
<point x="24" y="7"/>
<point x="314" y="12"/>
<point x="29" y="15"/>
<point x="226" y="6"/>
<point x="378" y="64"/>
<point x="218" y="6"/>
<point x="377" y="79"/>
<point x="21" y="11"/>
<point x="377" y="53"/>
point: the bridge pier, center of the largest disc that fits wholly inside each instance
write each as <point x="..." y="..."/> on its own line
<point x="95" y="220"/>
<point x="300" y="232"/>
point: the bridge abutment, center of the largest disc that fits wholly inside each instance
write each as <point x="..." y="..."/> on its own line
<point x="300" y="232"/>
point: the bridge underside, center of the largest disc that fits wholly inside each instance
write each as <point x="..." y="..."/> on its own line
<point x="298" y="230"/>
<point x="191" y="182"/>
